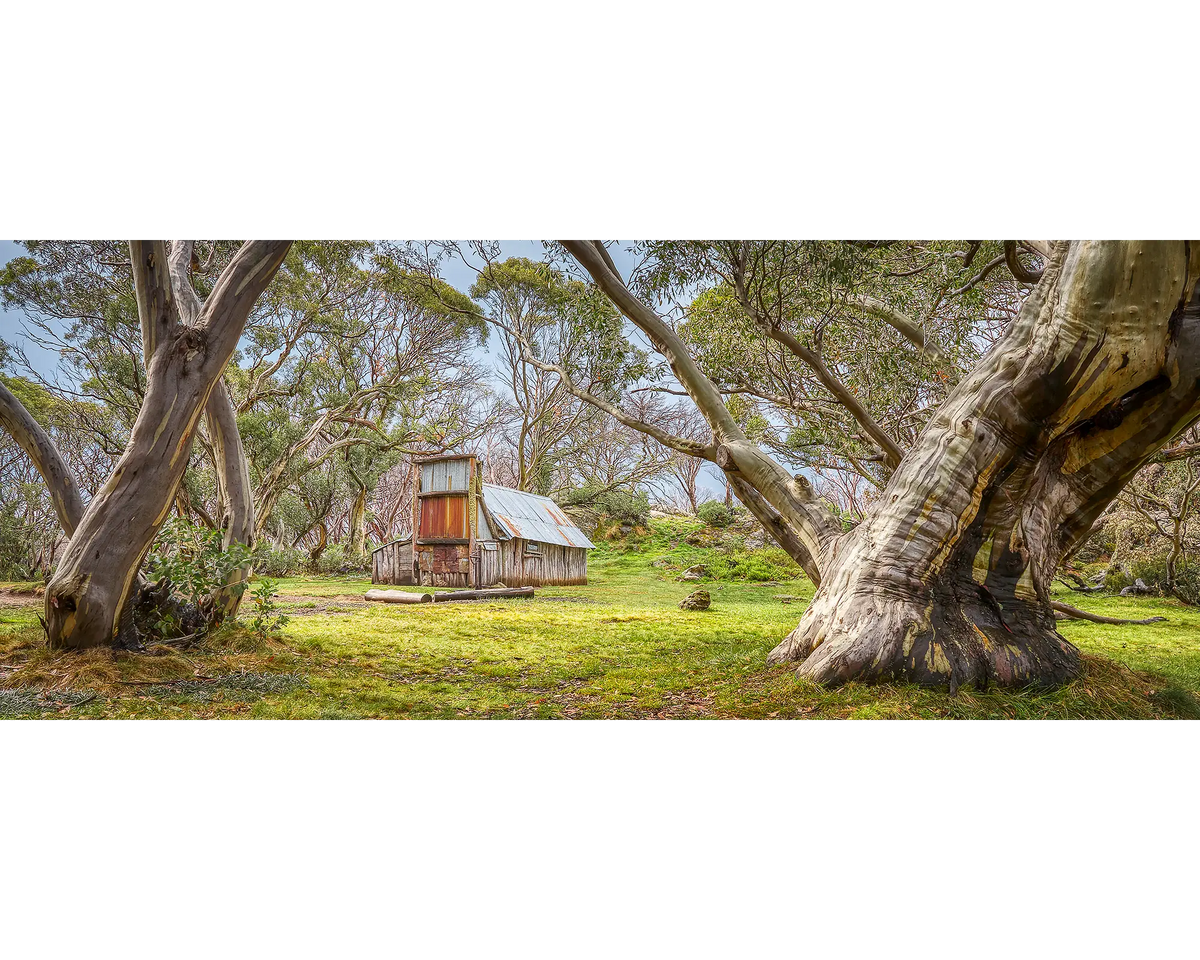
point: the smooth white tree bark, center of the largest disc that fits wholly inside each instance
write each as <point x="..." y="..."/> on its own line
<point x="87" y="599"/>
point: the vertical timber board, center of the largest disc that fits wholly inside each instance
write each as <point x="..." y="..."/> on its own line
<point x="458" y="474"/>
<point x="443" y="476"/>
<point x="416" y="517"/>
<point x="533" y="566"/>
<point x="470" y="518"/>
<point x="489" y="563"/>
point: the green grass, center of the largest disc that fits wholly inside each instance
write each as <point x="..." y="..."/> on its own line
<point x="619" y="647"/>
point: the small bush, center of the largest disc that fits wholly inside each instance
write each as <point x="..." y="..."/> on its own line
<point x="335" y="559"/>
<point x="194" y="562"/>
<point x="715" y="513"/>
<point x="626" y="506"/>
<point x="1152" y="571"/>
<point x="272" y="561"/>
<point x="267" y="618"/>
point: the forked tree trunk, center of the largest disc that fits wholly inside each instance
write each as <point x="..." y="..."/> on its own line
<point x="947" y="583"/>
<point x="235" y="496"/>
<point x="87" y="600"/>
<point x="319" y="548"/>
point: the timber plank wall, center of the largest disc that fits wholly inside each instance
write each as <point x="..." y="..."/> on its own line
<point x="550" y="564"/>
<point x="392" y="563"/>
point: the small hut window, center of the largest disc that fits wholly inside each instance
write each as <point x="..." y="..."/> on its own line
<point x="532" y="547"/>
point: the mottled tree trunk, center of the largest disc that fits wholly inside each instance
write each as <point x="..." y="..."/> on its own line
<point x="947" y="582"/>
<point x="358" y="526"/>
<point x="236" y="497"/>
<point x="87" y="600"/>
<point x="318" y="549"/>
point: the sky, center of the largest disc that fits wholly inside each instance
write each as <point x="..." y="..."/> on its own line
<point x="10" y="323"/>
<point x="454" y="272"/>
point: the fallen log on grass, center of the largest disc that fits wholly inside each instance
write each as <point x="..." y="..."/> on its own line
<point x="484" y="594"/>
<point x="1064" y="611"/>
<point x="398" y="596"/>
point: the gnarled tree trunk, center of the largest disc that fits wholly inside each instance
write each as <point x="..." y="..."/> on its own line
<point x="947" y="583"/>
<point x="87" y="600"/>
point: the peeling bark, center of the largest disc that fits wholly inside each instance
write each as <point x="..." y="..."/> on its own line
<point x="947" y="583"/>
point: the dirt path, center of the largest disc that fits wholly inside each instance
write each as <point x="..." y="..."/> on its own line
<point x="20" y="598"/>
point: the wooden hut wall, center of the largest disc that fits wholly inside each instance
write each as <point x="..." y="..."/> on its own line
<point x="392" y="563"/>
<point x="511" y="563"/>
<point x="489" y="563"/>
<point x="548" y="564"/>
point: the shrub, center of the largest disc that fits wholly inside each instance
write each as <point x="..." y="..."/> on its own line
<point x="632" y="507"/>
<point x="194" y="562"/>
<point x="273" y="561"/>
<point x="1152" y="571"/>
<point x="715" y="513"/>
<point x="267" y="618"/>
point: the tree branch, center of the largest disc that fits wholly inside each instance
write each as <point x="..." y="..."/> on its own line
<point x="907" y="328"/>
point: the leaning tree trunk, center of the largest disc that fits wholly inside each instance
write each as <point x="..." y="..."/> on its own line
<point x="947" y="583"/>
<point x="30" y="437"/>
<point x="87" y="600"/>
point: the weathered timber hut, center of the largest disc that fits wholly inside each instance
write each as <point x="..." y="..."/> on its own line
<point x="473" y="534"/>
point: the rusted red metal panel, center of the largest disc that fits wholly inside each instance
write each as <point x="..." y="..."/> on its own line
<point x="443" y="517"/>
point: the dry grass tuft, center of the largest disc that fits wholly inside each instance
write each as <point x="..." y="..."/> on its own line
<point x="103" y="671"/>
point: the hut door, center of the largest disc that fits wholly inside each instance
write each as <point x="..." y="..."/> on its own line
<point x="487" y="571"/>
<point x="532" y="565"/>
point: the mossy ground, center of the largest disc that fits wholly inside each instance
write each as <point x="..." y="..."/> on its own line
<point x="619" y="647"/>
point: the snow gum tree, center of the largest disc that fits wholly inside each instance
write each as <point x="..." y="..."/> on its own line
<point x="946" y="581"/>
<point x="188" y="344"/>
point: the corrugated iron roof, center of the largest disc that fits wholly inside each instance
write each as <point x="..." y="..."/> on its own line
<point x="531" y="517"/>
